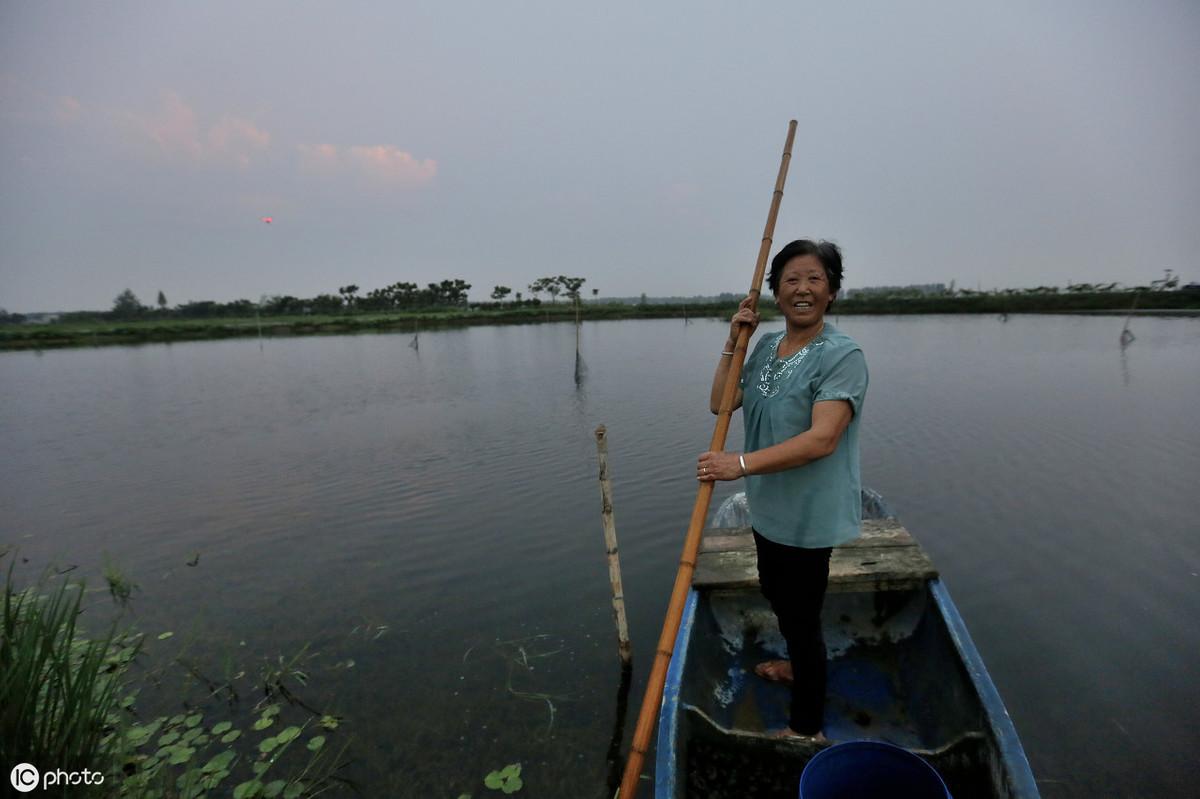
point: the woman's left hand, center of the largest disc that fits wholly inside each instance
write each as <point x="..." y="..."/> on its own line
<point x="713" y="466"/>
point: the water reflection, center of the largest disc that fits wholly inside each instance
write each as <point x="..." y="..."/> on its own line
<point x="616" y="743"/>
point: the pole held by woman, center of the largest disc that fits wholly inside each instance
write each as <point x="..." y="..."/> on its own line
<point x="687" y="562"/>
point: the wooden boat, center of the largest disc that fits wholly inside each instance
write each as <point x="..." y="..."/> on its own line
<point x="902" y="669"/>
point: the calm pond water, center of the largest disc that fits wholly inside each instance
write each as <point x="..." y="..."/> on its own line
<point x="422" y="518"/>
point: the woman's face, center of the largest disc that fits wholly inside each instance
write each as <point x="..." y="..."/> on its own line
<point x="803" y="295"/>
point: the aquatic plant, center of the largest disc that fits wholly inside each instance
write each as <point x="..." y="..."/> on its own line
<point x="507" y="779"/>
<point x="120" y="587"/>
<point x="68" y="702"/>
<point x="58" y="688"/>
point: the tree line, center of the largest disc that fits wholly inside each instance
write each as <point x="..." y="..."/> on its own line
<point x="399" y="296"/>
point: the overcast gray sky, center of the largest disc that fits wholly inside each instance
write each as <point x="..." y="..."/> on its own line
<point x="634" y="144"/>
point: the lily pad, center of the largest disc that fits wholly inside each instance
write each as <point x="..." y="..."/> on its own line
<point x="248" y="789"/>
<point x="181" y="755"/>
<point x="507" y="779"/>
<point x="221" y="727"/>
<point x="316" y="743"/>
<point x="288" y="734"/>
<point x="231" y="736"/>
<point x="219" y="762"/>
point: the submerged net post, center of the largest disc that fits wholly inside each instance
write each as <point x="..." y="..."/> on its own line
<point x="624" y="647"/>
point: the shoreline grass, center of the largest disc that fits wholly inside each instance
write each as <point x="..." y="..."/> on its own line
<point x="100" y="331"/>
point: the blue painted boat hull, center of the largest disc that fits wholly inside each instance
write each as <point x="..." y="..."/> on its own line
<point x="902" y="669"/>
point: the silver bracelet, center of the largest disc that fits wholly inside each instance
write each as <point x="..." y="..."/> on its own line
<point x="742" y="460"/>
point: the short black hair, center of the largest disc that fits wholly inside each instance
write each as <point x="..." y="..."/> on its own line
<point x="826" y="252"/>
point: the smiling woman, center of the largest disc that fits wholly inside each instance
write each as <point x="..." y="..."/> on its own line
<point x="802" y="390"/>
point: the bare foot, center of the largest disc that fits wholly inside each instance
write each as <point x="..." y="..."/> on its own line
<point x="775" y="670"/>
<point x="817" y="737"/>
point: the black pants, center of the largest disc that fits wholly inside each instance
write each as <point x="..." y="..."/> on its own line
<point x="793" y="580"/>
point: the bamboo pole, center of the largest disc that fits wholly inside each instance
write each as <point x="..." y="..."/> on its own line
<point x="687" y="561"/>
<point x="624" y="647"/>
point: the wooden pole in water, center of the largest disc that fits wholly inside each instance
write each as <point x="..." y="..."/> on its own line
<point x="691" y="545"/>
<point x="624" y="647"/>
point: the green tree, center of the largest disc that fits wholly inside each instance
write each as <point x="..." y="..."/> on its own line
<point x="127" y="305"/>
<point x="500" y="292"/>
<point x="348" y="293"/>
<point x="162" y="301"/>
<point x="570" y="286"/>
<point x="7" y="318"/>
<point x="540" y="285"/>
<point x="326" y="304"/>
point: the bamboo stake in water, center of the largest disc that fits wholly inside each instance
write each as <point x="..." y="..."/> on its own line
<point x="624" y="647"/>
<point x="691" y="545"/>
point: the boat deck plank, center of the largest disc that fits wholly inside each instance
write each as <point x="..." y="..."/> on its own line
<point x="884" y="558"/>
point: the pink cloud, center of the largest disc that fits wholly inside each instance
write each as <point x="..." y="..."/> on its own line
<point x="381" y="162"/>
<point x="391" y="164"/>
<point x="22" y="102"/>
<point x="236" y="138"/>
<point x="318" y="157"/>
<point x="173" y="128"/>
<point x="177" y="131"/>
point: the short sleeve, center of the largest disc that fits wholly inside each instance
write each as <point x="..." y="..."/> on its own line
<point x="845" y="379"/>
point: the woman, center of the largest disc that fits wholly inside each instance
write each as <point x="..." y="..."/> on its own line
<point x="801" y="392"/>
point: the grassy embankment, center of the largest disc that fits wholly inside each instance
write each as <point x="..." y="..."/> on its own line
<point x="100" y="331"/>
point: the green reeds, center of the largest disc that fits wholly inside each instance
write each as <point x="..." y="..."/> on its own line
<point x="67" y="704"/>
<point x="58" y="688"/>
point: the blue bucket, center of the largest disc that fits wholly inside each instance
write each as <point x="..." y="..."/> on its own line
<point x="867" y="770"/>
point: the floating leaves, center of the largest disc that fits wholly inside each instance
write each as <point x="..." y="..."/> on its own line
<point x="507" y="779"/>
<point x="248" y="789"/>
<point x="267" y="718"/>
<point x="184" y="756"/>
<point x="288" y="734"/>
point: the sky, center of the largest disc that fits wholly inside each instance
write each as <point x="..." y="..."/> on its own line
<point x="1002" y="144"/>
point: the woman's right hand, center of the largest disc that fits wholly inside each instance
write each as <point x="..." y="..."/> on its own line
<point x="745" y="316"/>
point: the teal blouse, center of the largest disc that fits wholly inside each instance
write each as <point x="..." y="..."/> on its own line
<point x="818" y="504"/>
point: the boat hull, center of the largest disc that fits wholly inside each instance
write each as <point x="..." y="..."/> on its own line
<point x="902" y="669"/>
